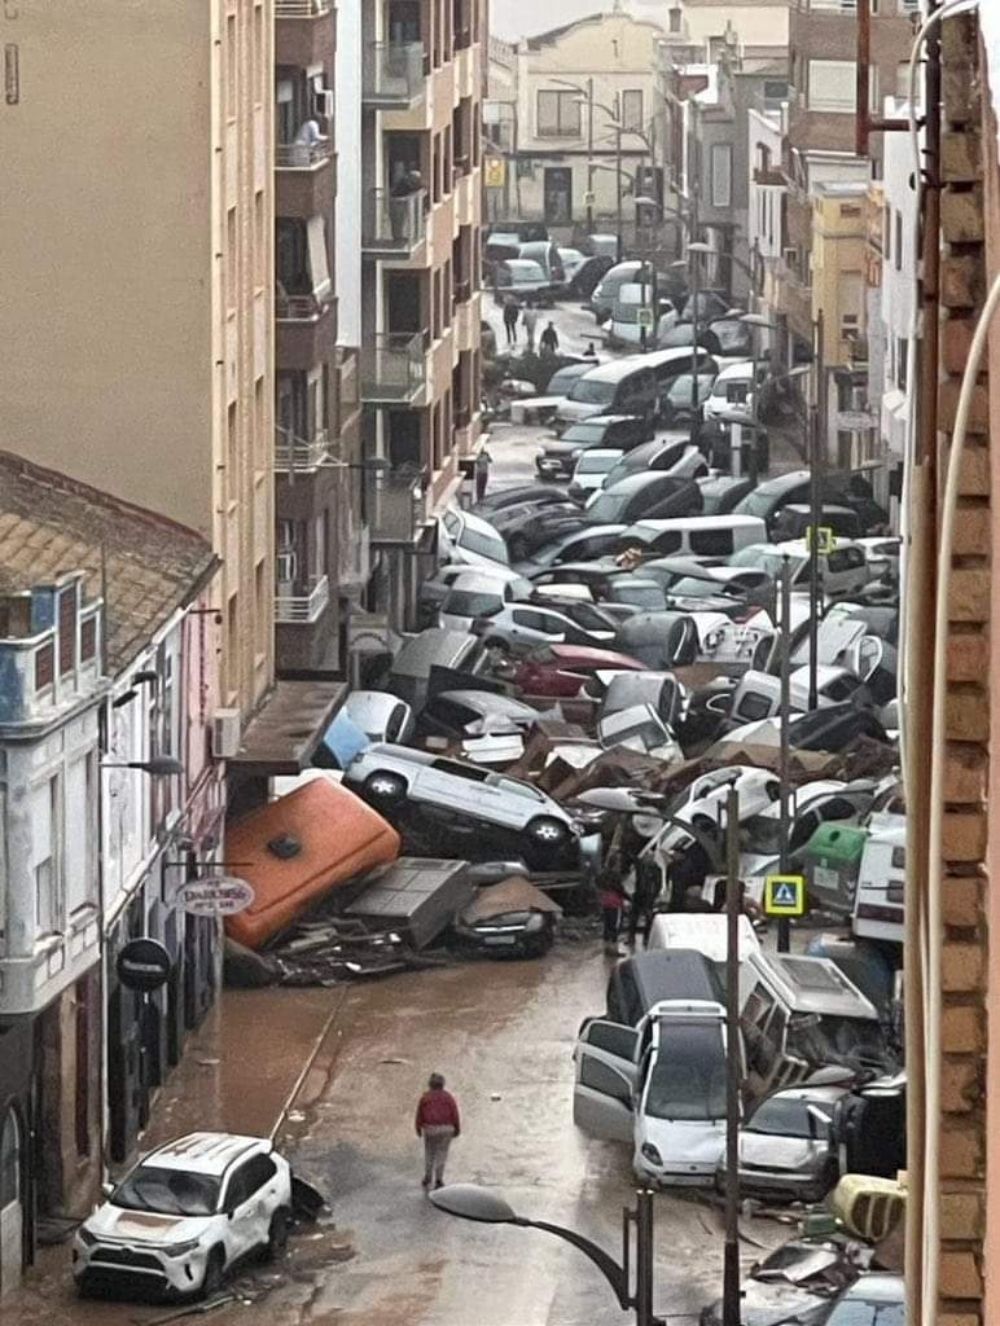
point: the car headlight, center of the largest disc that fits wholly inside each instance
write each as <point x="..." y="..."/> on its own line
<point x="86" y="1238"/>
<point x="713" y="639"/>
<point x="181" y="1249"/>
<point x="651" y="1154"/>
<point x="534" y="923"/>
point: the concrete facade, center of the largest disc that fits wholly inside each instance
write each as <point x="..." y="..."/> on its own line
<point x="138" y="302"/>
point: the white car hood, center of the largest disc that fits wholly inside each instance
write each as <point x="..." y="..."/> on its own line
<point x="149" y="1227"/>
<point x="684" y="1147"/>
<point x="777" y="1153"/>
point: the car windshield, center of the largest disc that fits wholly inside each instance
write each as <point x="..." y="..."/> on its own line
<point x="688" y="1079"/>
<point x="762" y="834"/>
<point x="861" y="1312"/>
<point x="829" y="1038"/>
<point x="169" y="1191"/>
<point x="783" y="1116"/>
<point x="693" y="587"/>
<point x="608" y="508"/>
<point x="762" y="558"/>
<point x="470" y="603"/>
<point x="562" y="380"/>
<point x="680" y="388"/>
<point x="587" y="431"/>
<point x="484" y="545"/>
<point x="594" y="464"/>
<point x="588" y="392"/>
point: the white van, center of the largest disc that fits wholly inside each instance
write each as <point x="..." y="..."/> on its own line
<point x="758" y="694"/>
<point x="879" y="900"/>
<point x="732" y="390"/>
<point x="799" y="1014"/>
<point x="698" y="536"/>
<point x="704" y="933"/>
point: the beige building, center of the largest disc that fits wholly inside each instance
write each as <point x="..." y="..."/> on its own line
<point x="420" y="203"/>
<point x="137" y="294"/>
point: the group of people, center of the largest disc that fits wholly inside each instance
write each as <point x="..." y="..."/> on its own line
<point x="548" y="342"/>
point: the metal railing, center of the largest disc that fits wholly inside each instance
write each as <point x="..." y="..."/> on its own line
<point x="300" y="308"/>
<point x="301" y="156"/>
<point x="307" y="607"/>
<point x="393" y="224"/>
<point x="393" y="367"/>
<point x="395" y="505"/>
<point x="301" y="8"/>
<point x="393" y="73"/>
<point x="299" y="453"/>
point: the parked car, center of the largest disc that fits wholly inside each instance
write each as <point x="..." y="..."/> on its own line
<point x="470" y="539"/>
<point x="547" y="255"/>
<point x="520" y="626"/>
<point x="185" y="1215"/>
<point x="655" y="496"/>
<point x="667" y="454"/>
<point x="843" y="488"/>
<point x="537" y="494"/>
<point x="721" y="494"/>
<point x="843" y="570"/>
<point x="606" y="292"/>
<point x="524" y="280"/>
<point x="581" y="545"/>
<point x="509" y="934"/>
<point x="786" y="1147"/>
<point x="478" y="594"/>
<point x="459" y="714"/>
<point x="434" y="590"/>
<point x="793" y="520"/>
<point x="474" y="810"/>
<point x="876" y="1298"/>
<point x="710" y="304"/>
<point x="590" y="471"/>
<point x="618" y="431"/>
<point x="591" y="617"/>
<point x="624" y="386"/>
<point x="732" y="390"/>
<point x="532" y="530"/>
<point x="588" y="276"/>
<point x="572" y="260"/>
<point x="676" y="405"/>
<point x="734" y="338"/>
<point x="410" y="672"/>
<point x="561" y="671"/>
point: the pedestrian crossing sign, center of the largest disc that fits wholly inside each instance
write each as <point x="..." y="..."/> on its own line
<point x="826" y="540"/>
<point x="784" y="895"/>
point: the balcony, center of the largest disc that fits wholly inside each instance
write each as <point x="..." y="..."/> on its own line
<point x="301" y="8"/>
<point x="300" y="308"/>
<point x="394" y="369"/>
<point x="295" y="454"/>
<point x="393" y="227"/>
<point x="393" y="75"/>
<point x="302" y="156"/>
<point x="395" y="507"/>
<point x="291" y="608"/>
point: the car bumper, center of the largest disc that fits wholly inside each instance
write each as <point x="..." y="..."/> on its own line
<point x="682" y="1177"/>
<point x="775" y="1185"/>
<point x="113" y="1269"/>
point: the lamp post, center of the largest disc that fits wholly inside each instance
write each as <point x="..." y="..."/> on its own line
<point x="695" y="249"/>
<point x="585" y="96"/>
<point x="470" y="1202"/>
<point x="757" y="322"/>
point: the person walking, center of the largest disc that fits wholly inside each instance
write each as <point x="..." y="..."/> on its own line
<point x="648" y="883"/>
<point x="481" y="471"/>
<point x="549" y="341"/>
<point x="437" y="1123"/>
<point x="510" y="317"/>
<point x="530" y="319"/>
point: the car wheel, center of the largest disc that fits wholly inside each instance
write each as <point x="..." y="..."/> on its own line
<point x="385" y="788"/>
<point x="215" y="1269"/>
<point x="497" y="645"/>
<point x="277" y="1235"/>
<point x="548" y="836"/>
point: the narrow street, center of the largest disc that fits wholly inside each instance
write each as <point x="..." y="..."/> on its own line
<point x="503" y="1034"/>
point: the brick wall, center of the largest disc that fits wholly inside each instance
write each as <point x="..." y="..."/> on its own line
<point x="962" y="1202"/>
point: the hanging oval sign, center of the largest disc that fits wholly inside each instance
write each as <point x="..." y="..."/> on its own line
<point x="221" y="895"/>
<point x="143" y="964"/>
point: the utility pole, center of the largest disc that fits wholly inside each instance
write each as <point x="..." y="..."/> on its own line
<point x="817" y="435"/>
<point x="731" y="1265"/>
<point x="618" y="171"/>
<point x="754" y="404"/>
<point x="643" y="1217"/>
<point x="590" y="158"/>
<point x="695" y="273"/>
<point x="784" y="927"/>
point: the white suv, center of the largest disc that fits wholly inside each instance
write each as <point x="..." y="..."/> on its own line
<point x="184" y="1215"/>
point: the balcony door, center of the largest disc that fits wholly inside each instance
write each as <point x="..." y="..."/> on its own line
<point x="558" y="195"/>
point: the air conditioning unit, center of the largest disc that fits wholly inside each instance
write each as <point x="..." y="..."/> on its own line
<point x="286" y="568"/>
<point x="324" y="103"/>
<point x="225" y="733"/>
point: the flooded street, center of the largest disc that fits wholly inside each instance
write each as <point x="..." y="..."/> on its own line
<point x="502" y="1034"/>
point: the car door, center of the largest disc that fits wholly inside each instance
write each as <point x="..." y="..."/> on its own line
<point x="613" y="1043"/>
<point x="603" y="1099"/>
<point x="247" y="1207"/>
<point x="532" y="626"/>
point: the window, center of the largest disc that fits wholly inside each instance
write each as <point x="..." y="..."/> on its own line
<point x="67" y="631"/>
<point x="902" y="365"/>
<point x="319" y="265"/>
<point x="10" y="1160"/>
<point x="230" y="291"/>
<point x="45" y="837"/>
<point x="231" y="651"/>
<point x="260" y="257"/>
<point x="558" y="114"/>
<point x="712" y="542"/>
<point x="721" y="178"/>
<point x="88" y="639"/>
<point x="887" y="232"/>
<point x="232" y="451"/>
<point x="231" y="56"/>
<point x="674" y="18"/>
<point x="832" y="86"/>
<point x="45" y="667"/>
<point x="601" y="1077"/>
<point x="898" y="241"/>
<point x="632" y="110"/>
<point x="80" y="833"/>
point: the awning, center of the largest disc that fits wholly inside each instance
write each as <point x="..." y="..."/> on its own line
<point x="283" y="735"/>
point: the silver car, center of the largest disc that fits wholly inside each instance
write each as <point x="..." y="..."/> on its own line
<point x="786" y="1148"/>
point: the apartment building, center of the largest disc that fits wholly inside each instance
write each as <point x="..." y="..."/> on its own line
<point x="419" y="195"/>
<point x="137" y="298"/>
<point x="320" y="540"/>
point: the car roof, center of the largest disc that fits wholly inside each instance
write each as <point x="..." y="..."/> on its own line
<point x="471" y="580"/>
<point x="594" y="419"/>
<point x="588" y="654"/>
<point x="618" y="369"/>
<point x="636" y="482"/>
<point x="782" y="482"/>
<point x="877" y="1287"/>
<point x="799" y="548"/>
<point x="205" y="1153"/>
<point x="803" y="508"/>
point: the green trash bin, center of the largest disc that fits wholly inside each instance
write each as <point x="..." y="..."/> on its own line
<point x="830" y="861"/>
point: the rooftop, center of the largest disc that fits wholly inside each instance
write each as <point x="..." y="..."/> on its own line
<point x="144" y="565"/>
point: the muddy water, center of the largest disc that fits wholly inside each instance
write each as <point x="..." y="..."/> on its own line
<point x="502" y="1034"/>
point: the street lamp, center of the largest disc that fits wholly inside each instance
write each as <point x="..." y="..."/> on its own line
<point x="585" y="97"/>
<point x="470" y="1202"/>
<point x="157" y="766"/>
<point x="758" y="321"/>
<point x="695" y="247"/>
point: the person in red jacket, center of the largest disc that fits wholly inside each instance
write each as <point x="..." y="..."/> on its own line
<point x="437" y="1123"/>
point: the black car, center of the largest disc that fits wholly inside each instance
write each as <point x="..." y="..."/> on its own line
<point x="616" y="432"/>
<point x="655" y="496"/>
<point x="676" y="405"/>
<point x="523" y="495"/>
<point x="533" y="530"/>
<point x="793" y="488"/>
<point x="588" y="276"/>
<point x="513" y="518"/>
<point x="734" y="338"/>
<point x="833" y="728"/>
<point x="683" y="333"/>
<point x="509" y="935"/>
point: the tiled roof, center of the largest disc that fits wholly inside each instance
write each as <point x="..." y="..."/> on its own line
<point x="144" y="564"/>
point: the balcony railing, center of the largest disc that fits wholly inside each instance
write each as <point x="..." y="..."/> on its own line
<point x="300" y="308"/>
<point x="302" y="156"/>
<point x="301" y="8"/>
<point x="305" y="607"/>
<point x="393" y="368"/>
<point x="393" y="74"/>
<point x="395" y="506"/>
<point x="300" y="453"/>
<point x="393" y="226"/>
